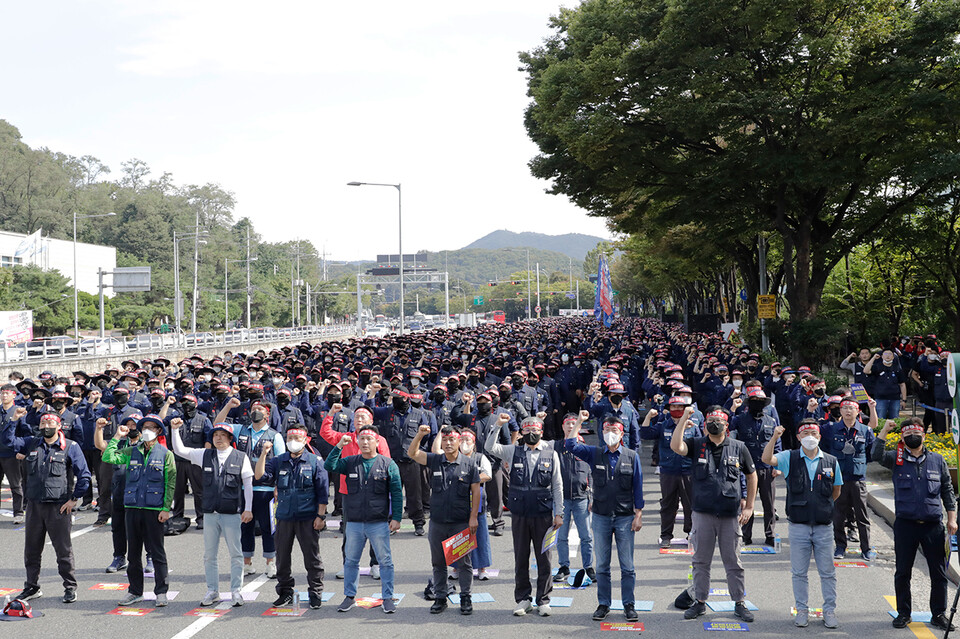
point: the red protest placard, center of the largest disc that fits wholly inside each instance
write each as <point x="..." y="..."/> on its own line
<point x="109" y="587"/>
<point x="207" y="612"/>
<point x="622" y="626"/>
<point x="283" y="612"/>
<point x="455" y="547"/>
<point x="130" y="612"/>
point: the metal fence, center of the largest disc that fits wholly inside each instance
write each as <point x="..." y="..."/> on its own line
<point x="40" y="350"/>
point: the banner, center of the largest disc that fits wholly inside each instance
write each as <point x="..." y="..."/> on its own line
<point x="457" y="546"/>
<point x="603" y="299"/>
<point x="16" y="327"/>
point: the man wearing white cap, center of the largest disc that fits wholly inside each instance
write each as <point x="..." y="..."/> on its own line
<point x="812" y="489"/>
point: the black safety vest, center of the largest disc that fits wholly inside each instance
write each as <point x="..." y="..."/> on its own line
<point x="191" y="432"/>
<point x="574" y="471"/>
<point x="916" y="487"/>
<point x="806" y="505"/>
<point x="48" y="473"/>
<point x="222" y="488"/>
<point x="613" y="488"/>
<point x="533" y="497"/>
<point x="716" y="489"/>
<point x="296" y="497"/>
<point x="367" y="498"/>
<point x="245" y="436"/>
<point x="400" y="432"/>
<point x="450" y="484"/>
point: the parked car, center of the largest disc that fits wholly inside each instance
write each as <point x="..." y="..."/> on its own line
<point x="102" y="346"/>
<point x="57" y="346"/>
<point x="200" y="339"/>
<point x="236" y="336"/>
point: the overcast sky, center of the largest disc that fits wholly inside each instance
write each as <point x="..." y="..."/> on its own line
<point x="285" y="102"/>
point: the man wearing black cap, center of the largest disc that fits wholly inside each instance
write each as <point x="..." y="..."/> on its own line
<point x="10" y="418"/>
<point x="151" y="475"/>
<point x="195" y="432"/>
<point x="120" y="410"/>
<point x="755" y="428"/>
<point x="53" y="463"/>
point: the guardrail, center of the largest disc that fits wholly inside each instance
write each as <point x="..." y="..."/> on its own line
<point x="168" y="341"/>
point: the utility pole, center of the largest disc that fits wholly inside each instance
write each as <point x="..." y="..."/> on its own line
<point x="538" y="290"/>
<point x="196" y="268"/>
<point x="529" y="314"/>
<point x="764" y="338"/>
<point x="249" y="319"/>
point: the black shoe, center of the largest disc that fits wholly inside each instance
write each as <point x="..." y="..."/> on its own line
<point x="337" y="512"/>
<point x="592" y="574"/>
<point x="285" y="599"/>
<point x="748" y="541"/>
<point x="199" y="524"/>
<point x="418" y="530"/>
<point x="601" y="612"/>
<point x="940" y="621"/>
<point x="70" y="596"/>
<point x="439" y="605"/>
<point x="562" y="573"/>
<point x="101" y="521"/>
<point x="694" y="611"/>
<point x="29" y="593"/>
<point x="630" y="612"/>
<point x="665" y="543"/>
<point x="466" y="605"/>
<point x="901" y="621"/>
<point x="770" y="541"/>
<point x="741" y="611"/>
<point x="852" y="537"/>
<point x="315" y="601"/>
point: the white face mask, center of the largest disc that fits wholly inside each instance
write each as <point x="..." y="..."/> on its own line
<point x="149" y="435"/>
<point x="809" y="442"/>
<point x="295" y="446"/>
<point x="466" y="449"/>
<point x="414" y="383"/>
<point x="737" y="383"/>
<point x="612" y="439"/>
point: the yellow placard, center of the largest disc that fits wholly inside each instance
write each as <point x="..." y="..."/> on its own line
<point x="767" y="306"/>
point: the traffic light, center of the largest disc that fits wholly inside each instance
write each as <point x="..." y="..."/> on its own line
<point x="491" y="284"/>
<point x="516" y="283"/>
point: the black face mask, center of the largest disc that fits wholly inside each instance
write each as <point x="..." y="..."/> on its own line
<point x="222" y="395"/>
<point x="755" y="408"/>
<point x="438" y="398"/>
<point x="715" y="427"/>
<point x="452" y="387"/>
<point x="504" y="396"/>
<point x="120" y="400"/>
<point x="518" y="384"/>
<point x="334" y="398"/>
<point x="913" y="441"/>
<point x="257" y="416"/>
<point x="283" y="401"/>
<point x="400" y="404"/>
<point x="835" y="413"/>
<point x="76" y="394"/>
<point x="531" y="438"/>
<point x="58" y="406"/>
<point x="254" y="395"/>
<point x="483" y="408"/>
<point x="157" y="402"/>
<point x="48" y="432"/>
<point x="819" y="392"/>
<point x="189" y="410"/>
<point x="473" y="379"/>
<point x="102" y="383"/>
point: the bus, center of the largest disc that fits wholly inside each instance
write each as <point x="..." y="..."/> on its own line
<point x="499" y="316"/>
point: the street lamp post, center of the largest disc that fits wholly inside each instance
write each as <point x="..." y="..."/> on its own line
<point x="177" y="293"/>
<point x="226" y="308"/>
<point x="76" y="302"/>
<point x="399" y="235"/>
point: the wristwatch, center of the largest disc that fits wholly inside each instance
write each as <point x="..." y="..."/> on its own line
<point x="322" y="517"/>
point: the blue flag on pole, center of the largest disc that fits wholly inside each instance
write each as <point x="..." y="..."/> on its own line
<point x="603" y="298"/>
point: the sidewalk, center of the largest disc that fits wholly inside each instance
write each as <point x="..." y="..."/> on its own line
<point x="880" y="499"/>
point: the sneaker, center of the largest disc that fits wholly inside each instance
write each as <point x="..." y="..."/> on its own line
<point x="118" y="564"/>
<point x="482" y="574"/>
<point x="601" y="612"/>
<point x="236" y="599"/>
<point x="770" y="541"/>
<point x="130" y="599"/>
<point x="697" y="609"/>
<point x="375" y="571"/>
<point x="901" y="621"/>
<point x="210" y="598"/>
<point x="148" y="567"/>
<point x="17" y="520"/>
<point x="101" y="521"/>
<point x="389" y="605"/>
<point x="161" y="600"/>
<point x="523" y="607"/>
<point x="83" y="507"/>
<point x="271" y="569"/>
<point x="543" y="610"/>
<point x="802" y="620"/>
<point x="869" y="555"/>
<point x="29" y="593"/>
<point x="830" y="620"/>
<point x="592" y="574"/>
<point x="419" y="531"/>
<point x="839" y="553"/>
<point x="563" y="572"/>
<point x="466" y="604"/>
<point x="315" y="601"/>
<point x="747" y="541"/>
<point x="284" y="599"/>
<point x="439" y="605"/>
<point x="497" y="532"/>
<point x="741" y="611"/>
<point x="630" y="612"/>
<point x="852" y="536"/>
<point x="346" y="604"/>
<point x="69" y="595"/>
<point x="199" y="524"/>
<point x="340" y="574"/>
<point x="665" y="543"/>
<point x="941" y="622"/>
<point x="248" y="569"/>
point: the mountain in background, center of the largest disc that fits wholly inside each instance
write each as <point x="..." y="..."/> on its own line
<point x="573" y="245"/>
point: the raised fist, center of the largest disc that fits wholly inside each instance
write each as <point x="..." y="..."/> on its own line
<point x="171" y="400"/>
<point x="779" y="430"/>
<point x="234" y="402"/>
<point x="503" y="418"/>
<point x="346" y="439"/>
<point x="101" y="422"/>
<point x="584" y="415"/>
<point x="266" y="448"/>
<point x="176" y="422"/>
<point x="21" y="411"/>
<point x="424" y="430"/>
<point x="122" y="430"/>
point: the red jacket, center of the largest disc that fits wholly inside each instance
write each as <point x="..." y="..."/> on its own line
<point x="333" y="437"/>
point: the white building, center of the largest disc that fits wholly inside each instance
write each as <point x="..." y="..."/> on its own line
<point x="57" y="255"/>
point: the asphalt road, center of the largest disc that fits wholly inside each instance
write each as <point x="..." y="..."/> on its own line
<point x="862" y="610"/>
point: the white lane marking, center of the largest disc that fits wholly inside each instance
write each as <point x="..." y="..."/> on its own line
<point x="203" y="622"/>
<point x="82" y="531"/>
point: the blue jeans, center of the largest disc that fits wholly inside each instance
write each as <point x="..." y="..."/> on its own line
<point x="356" y="534"/>
<point x="577" y="511"/>
<point x="888" y="408"/>
<point x="818" y="541"/>
<point x="605" y="528"/>
<point x="216" y="525"/>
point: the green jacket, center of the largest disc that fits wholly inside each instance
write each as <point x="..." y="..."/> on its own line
<point x="112" y="455"/>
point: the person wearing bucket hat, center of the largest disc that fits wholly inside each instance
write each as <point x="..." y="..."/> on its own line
<point x="575" y="474"/>
<point x="195" y="434"/>
<point x="755" y="428"/>
<point x="56" y="479"/>
<point x="226" y="503"/>
<point x="151" y="477"/>
<point x="117" y="413"/>
<point x="812" y="489"/>
<point x="922" y="490"/>
<point x="11" y="417"/>
<point x="617" y="507"/>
